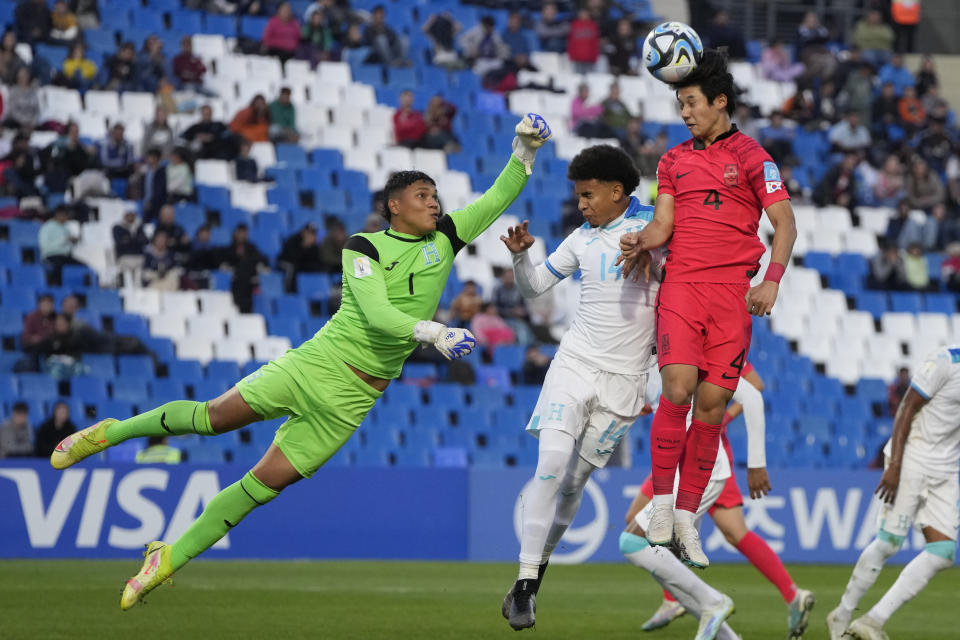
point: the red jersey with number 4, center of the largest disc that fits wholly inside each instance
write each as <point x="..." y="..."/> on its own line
<point x="720" y="192"/>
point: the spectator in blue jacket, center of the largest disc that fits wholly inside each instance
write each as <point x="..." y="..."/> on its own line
<point x="115" y="154"/>
<point x="897" y="74"/>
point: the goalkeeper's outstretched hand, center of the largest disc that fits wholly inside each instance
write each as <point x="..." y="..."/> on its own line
<point x="453" y="343"/>
<point x="532" y="133"/>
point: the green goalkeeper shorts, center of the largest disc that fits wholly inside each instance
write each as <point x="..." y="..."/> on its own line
<point x="324" y="399"/>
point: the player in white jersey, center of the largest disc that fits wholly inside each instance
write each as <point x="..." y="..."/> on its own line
<point x="919" y="487"/>
<point x="594" y="389"/>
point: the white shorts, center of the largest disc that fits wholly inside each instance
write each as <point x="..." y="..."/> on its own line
<point x="923" y="501"/>
<point x="596" y="407"/>
<point x="710" y="496"/>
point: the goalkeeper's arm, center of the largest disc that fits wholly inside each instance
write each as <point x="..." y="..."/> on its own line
<point x="364" y="276"/>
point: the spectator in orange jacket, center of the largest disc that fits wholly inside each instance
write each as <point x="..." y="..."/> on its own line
<point x="253" y="121"/>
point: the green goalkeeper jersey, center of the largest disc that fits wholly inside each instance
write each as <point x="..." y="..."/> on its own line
<point x="392" y="281"/>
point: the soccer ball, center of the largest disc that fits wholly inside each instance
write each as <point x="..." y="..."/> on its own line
<point x="671" y="51"/>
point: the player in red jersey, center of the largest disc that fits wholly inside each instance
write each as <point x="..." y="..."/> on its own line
<point x="711" y="192"/>
<point x="727" y="511"/>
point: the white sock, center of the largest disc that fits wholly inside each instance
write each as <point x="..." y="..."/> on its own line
<point x="662" y="498"/>
<point x="568" y="502"/>
<point x="674" y="576"/>
<point x="540" y="501"/>
<point x="910" y="582"/>
<point x="865" y="573"/>
<point x="682" y="515"/>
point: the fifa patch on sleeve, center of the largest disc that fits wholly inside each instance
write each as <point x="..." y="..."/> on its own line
<point x="361" y="267"/>
<point x="771" y="173"/>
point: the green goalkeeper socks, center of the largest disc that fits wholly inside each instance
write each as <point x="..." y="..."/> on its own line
<point x="224" y="512"/>
<point x="172" y="419"/>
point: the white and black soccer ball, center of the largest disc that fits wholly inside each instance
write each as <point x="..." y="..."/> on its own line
<point x="671" y="51"/>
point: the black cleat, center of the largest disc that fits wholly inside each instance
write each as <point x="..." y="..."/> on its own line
<point x="508" y="599"/>
<point x="524" y="605"/>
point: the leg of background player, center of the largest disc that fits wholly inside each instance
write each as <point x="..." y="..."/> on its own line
<point x="755" y="549"/>
<point x="865" y="573"/>
<point x="936" y="556"/>
<point x="692" y="592"/>
<point x="568" y="502"/>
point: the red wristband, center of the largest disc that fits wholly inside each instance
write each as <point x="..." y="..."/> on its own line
<point x="774" y="272"/>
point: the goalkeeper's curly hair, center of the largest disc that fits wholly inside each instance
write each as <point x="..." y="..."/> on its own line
<point x="399" y="181"/>
<point x="605" y="163"/>
<point x="713" y="78"/>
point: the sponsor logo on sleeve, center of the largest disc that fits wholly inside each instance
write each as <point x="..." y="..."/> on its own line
<point x="361" y="267"/>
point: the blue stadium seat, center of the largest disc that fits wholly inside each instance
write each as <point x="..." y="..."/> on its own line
<point x="216" y="198"/>
<point x="845" y="451"/>
<point x="8" y="359"/>
<point x="826" y="388"/>
<point x="135" y="366"/>
<point x="510" y="419"/>
<point x="330" y="200"/>
<point x="206" y="451"/>
<point x="808" y="452"/>
<point x="908" y="302"/>
<point x="38" y="386"/>
<point x="164" y="390"/>
<point x="112" y="409"/>
<point x="510" y="356"/>
<point x="873" y="389"/>
<point x="91" y="389"/>
<point x="430" y="417"/>
<point x="940" y="303"/>
<point x="314" y="285"/>
<point x="17" y="298"/>
<point x="367" y="74"/>
<point x="492" y="375"/>
<point x="403" y="396"/>
<point x="291" y="306"/>
<point x="419" y="371"/>
<point x="162" y="347"/>
<point x="853" y="263"/>
<point x="822" y="262"/>
<point x="185" y="371"/>
<point x="223" y="371"/>
<point x="525" y="397"/>
<point x="100" y="365"/>
<point x="105" y="301"/>
<point x="448" y="395"/>
<point x="819" y="427"/>
<point x="131" y="325"/>
<point x="286" y="326"/>
<point x="29" y="275"/>
<point x="270" y="222"/>
<point x="874" y="302"/>
<point x="271" y="284"/>
<point x="11" y="322"/>
<point x="210" y="389"/>
<point x="9" y="387"/>
<point x="292" y="155"/>
<point x="126" y="452"/>
<point x="327" y="159"/>
<point x="489" y="397"/>
<point x="353" y="181"/>
<point x="850" y="283"/>
<point x="220" y="24"/>
<point x="132" y="390"/>
<point x="490" y="103"/>
<point x="252" y="27"/>
<point x="184" y="21"/>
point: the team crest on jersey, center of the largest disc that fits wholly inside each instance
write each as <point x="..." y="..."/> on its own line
<point x="731" y="174"/>
<point x="430" y="254"/>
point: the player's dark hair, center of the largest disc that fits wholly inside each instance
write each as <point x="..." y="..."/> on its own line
<point x="713" y="78"/>
<point x="605" y="163"/>
<point x="400" y="181"/>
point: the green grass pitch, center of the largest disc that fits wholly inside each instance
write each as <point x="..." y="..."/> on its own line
<point x="75" y="600"/>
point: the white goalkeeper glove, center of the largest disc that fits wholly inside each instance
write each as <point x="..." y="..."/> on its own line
<point x="452" y="343"/>
<point x="532" y="132"/>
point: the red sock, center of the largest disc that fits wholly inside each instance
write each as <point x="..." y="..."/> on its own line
<point x="668" y="596"/>
<point x="696" y="465"/>
<point x="760" y="555"/>
<point x="726" y="419"/>
<point x="666" y="444"/>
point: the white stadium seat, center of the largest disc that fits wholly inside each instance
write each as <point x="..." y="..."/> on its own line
<point x="250" y="196"/>
<point x="138" y="105"/>
<point x="218" y="303"/>
<point x="845" y="370"/>
<point x="335" y="74"/>
<point x="214" y="172"/>
<point x="247" y="326"/>
<point x="141" y="301"/>
<point x="899" y="325"/>
<point x="933" y="325"/>
<point x="230" y="349"/>
<point x="430" y="161"/>
<point x="788" y="325"/>
<point x="179" y="303"/>
<point x="264" y="153"/>
<point x="168" y="326"/>
<point x="270" y="348"/>
<point x="857" y="323"/>
<point x="206" y="326"/>
<point x="102" y="103"/>
<point x="209" y="46"/>
<point x="266" y="67"/>
<point x="193" y="348"/>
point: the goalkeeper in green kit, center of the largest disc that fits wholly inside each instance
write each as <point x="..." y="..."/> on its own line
<point x="392" y="282"/>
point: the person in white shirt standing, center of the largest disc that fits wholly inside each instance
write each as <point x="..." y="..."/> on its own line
<point x="594" y="389"/>
<point x="919" y="487"/>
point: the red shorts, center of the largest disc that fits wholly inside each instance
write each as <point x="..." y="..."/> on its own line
<point x="707" y="325"/>
<point x="729" y="498"/>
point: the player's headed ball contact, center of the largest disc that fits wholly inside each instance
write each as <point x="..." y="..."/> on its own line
<point x="671" y="51"/>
